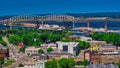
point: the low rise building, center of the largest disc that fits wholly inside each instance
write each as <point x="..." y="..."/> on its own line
<point x="51" y="27"/>
<point x="108" y="49"/>
<point x="29" y="25"/>
<point x="94" y="43"/>
<point x="4" y="52"/>
<point x="33" y="63"/>
<point x="68" y="47"/>
<point x="83" y="38"/>
<point x="73" y="38"/>
<point x="105" y="54"/>
<point x="32" y="50"/>
<point x="49" y="56"/>
<point x="40" y="56"/>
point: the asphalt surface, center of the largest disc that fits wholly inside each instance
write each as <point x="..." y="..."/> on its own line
<point x="19" y="57"/>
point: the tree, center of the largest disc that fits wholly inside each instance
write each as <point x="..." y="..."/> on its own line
<point x="22" y="49"/>
<point x="21" y="65"/>
<point x="119" y="65"/>
<point x="68" y="34"/>
<point x="86" y="62"/>
<point x="2" y="60"/>
<point x="49" y="49"/>
<point x="51" y="64"/>
<point x="66" y="63"/>
<point x="112" y="38"/>
<point x="71" y="62"/>
<point x="41" y="51"/>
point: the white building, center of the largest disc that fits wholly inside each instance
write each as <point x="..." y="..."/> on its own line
<point x="83" y="38"/>
<point x="37" y="64"/>
<point x="69" y="47"/>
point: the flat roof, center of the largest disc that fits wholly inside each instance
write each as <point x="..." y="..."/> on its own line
<point x="68" y="43"/>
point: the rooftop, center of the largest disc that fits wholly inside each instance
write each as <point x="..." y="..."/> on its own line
<point x="108" y="46"/>
<point x="73" y="44"/>
<point x="35" y="48"/>
<point x="102" y="66"/>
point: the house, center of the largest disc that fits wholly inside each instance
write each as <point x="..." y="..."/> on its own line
<point x="32" y="50"/>
<point x="69" y="47"/>
<point x="4" y="53"/>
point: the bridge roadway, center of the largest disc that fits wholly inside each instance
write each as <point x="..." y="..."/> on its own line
<point x="55" y="20"/>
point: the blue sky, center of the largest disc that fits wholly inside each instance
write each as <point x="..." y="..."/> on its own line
<point x="15" y="7"/>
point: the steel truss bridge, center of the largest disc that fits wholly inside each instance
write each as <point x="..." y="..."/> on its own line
<point x="54" y="18"/>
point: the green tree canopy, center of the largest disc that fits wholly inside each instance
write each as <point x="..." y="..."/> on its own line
<point x="66" y="63"/>
<point x="2" y="60"/>
<point x="86" y="62"/>
<point x="41" y="51"/>
<point x="51" y="64"/>
<point x="22" y="49"/>
<point x="49" y="49"/>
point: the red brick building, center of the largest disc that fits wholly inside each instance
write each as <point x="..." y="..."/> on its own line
<point x="4" y="53"/>
<point x="94" y="58"/>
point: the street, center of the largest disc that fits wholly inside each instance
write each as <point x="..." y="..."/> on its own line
<point x="19" y="57"/>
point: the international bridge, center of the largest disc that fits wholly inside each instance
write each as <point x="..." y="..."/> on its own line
<point x="36" y="19"/>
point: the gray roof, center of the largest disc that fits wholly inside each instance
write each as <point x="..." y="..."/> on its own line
<point x="108" y="46"/>
<point x="102" y="66"/>
<point x="110" y="66"/>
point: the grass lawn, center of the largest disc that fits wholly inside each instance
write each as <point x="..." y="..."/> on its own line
<point x="9" y="62"/>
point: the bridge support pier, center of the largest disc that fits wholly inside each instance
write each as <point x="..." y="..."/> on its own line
<point x="73" y="25"/>
<point x="88" y="24"/>
<point x="105" y="25"/>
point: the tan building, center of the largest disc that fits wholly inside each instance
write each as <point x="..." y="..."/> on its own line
<point x="93" y="43"/>
<point x="108" y="49"/>
<point x="73" y="38"/>
<point x="29" y="25"/>
<point x="32" y="50"/>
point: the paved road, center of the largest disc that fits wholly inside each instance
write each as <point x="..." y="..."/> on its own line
<point x="19" y="57"/>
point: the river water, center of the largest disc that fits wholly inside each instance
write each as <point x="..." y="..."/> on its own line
<point x="110" y="25"/>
